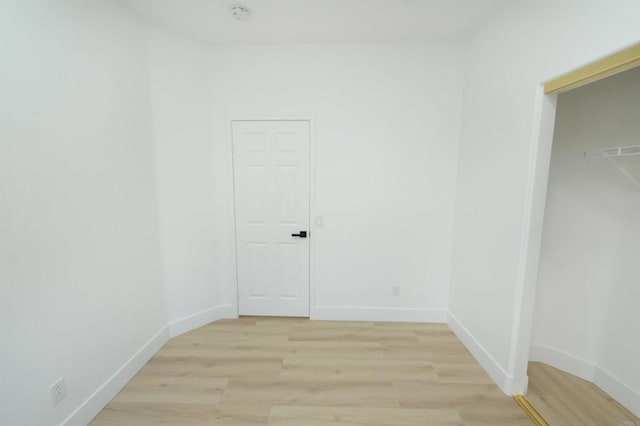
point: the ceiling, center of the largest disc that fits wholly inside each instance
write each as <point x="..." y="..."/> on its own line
<point x="318" y="21"/>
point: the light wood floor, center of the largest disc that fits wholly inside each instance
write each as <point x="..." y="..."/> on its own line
<point x="564" y="399"/>
<point x="283" y="371"/>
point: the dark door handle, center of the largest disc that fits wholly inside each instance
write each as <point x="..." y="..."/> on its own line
<point x="302" y="234"/>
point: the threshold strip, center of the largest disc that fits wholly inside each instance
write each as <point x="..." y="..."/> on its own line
<point x="531" y="411"/>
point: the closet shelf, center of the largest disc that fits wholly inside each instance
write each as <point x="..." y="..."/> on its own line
<point x="614" y="155"/>
<point x="621" y="151"/>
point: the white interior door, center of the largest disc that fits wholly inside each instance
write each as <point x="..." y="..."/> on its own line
<point x="271" y="178"/>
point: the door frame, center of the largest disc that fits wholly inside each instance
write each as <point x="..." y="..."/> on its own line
<point x="311" y="118"/>
<point x="536" y="193"/>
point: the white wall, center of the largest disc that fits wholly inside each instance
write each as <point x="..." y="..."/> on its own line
<point x="181" y="92"/>
<point x="80" y="272"/>
<point x="522" y="46"/>
<point x="589" y="278"/>
<point x="387" y="120"/>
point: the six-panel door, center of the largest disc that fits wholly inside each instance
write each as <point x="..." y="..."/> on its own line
<point x="271" y="184"/>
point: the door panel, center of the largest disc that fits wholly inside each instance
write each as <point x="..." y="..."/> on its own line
<point x="271" y="184"/>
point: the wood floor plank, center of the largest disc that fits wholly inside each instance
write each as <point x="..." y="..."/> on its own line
<point x="332" y="324"/>
<point x="285" y="321"/>
<point x="358" y="416"/>
<point x="170" y="389"/>
<point x="405" y="351"/>
<point x="199" y="366"/>
<point x="353" y="334"/>
<point x="247" y="348"/>
<point x="357" y="369"/>
<point x="336" y="393"/>
<point x="231" y="336"/>
<point x="509" y="414"/>
<point x="461" y="372"/>
<point x="335" y="350"/>
<point x="152" y="414"/>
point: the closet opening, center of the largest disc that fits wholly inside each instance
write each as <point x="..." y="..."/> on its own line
<point x="585" y="317"/>
<point x="581" y="279"/>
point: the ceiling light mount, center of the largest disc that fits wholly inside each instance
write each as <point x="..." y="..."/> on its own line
<point x="240" y="12"/>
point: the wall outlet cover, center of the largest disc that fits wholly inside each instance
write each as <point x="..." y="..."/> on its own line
<point x="58" y="391"/>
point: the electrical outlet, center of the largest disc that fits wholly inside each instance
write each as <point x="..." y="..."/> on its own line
<point x="396" y="290"/>
<point x="58" y="391"/>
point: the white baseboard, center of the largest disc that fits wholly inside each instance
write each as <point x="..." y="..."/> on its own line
<point x="587" y="370"/>
<point x="618" y="390"/>
<point x="90" y="408"/>
<point x="82" y="415"/>
<point x="354" y="313"/>
<point x="484" y="358"/>
<point x="562" y="360"/>
<point x="191" y="322"/>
